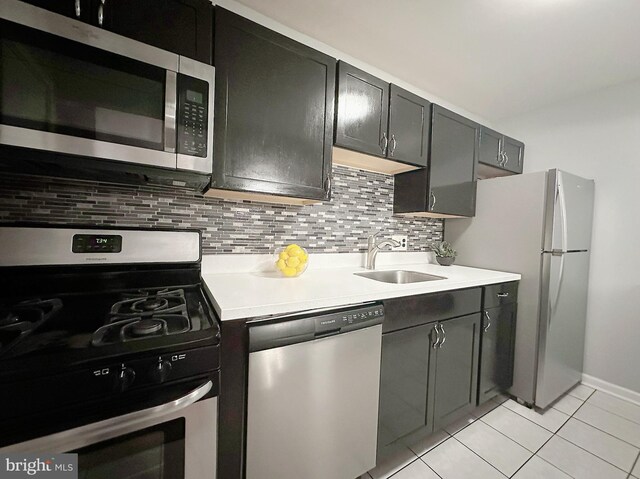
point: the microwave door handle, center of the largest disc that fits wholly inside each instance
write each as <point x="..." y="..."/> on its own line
<point x="170" y="108"/>
<point x="94" y="433"/>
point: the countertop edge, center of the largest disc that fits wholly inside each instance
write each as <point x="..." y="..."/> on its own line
<point x="288" y="307"/>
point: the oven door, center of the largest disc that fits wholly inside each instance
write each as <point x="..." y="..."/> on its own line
<point x="72" y="88"/>
<point x="176" y="440"/>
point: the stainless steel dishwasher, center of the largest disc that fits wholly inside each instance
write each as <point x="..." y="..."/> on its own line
<point x="314" y="380"/>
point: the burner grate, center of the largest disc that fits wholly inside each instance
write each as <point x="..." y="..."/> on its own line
<point x="149" y="302"/>
<point x="18" y="322"/>
<point x="144" y="314"/>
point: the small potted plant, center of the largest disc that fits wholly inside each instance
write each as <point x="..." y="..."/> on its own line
<point x="445" y="254"/>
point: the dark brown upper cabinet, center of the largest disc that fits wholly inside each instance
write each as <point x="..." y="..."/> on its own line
<point x="513" y="154"/>
<point x="362" y="115"/>
<point x="274" y="112"/>
<point x="499" y="154"/>
<point x="78" y="9"/>
<point x="379" y="126"/>
<point x="409" y="127"/>
<point x="447" y="187"/>
<point x="184" y="27"/>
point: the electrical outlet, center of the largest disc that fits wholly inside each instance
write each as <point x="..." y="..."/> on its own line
<point x="402" y="239"/>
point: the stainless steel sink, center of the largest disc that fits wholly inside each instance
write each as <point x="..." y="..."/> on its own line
<point x="399" y="276"/>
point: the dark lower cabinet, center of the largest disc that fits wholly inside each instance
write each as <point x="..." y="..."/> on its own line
<point x="495" y="295"/>
<point x="429" y="367"/>
<point x="456" y="369"/>
<point x="497" y="353"/>
<point x="404" y="378"/>
<point x="442" y="356"/>
<point x="274" y="112"/>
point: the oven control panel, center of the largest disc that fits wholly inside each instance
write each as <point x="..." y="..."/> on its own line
<point x="96" y="244"/>
<point x="154" y="370"/>
<point x="108" y="381"/>
<point x="193" y="116"/>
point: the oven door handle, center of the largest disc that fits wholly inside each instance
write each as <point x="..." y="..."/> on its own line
<point x="94" y="433"/>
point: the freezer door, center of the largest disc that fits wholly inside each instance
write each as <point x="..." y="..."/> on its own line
<point x="563" y="307"/>
<point x="569" y="212"/>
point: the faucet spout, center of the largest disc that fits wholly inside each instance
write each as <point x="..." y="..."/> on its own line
<point x="373" y="248"/>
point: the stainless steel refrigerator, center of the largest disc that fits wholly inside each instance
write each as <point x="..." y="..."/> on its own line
<point x="538" y="225"/>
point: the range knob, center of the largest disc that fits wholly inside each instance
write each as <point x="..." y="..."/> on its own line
<point x="160" y="371"/>
<point x="125" y="379"/>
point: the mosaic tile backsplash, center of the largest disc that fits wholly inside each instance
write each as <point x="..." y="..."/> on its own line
<point x="362" y="203"/>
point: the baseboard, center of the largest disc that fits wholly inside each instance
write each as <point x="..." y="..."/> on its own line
<point x="613" y="389"/>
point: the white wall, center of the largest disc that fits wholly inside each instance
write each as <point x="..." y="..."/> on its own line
<point x="598" y="136"/>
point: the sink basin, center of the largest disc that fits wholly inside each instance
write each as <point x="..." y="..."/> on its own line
<point x="399" y="276"/>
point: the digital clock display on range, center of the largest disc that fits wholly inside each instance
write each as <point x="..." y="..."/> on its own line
<point x="97" y="244"/>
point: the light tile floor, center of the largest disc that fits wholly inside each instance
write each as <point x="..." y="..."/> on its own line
<point x="586" y="434"/>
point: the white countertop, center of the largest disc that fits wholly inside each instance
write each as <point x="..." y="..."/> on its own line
<point x="259" y="292"/>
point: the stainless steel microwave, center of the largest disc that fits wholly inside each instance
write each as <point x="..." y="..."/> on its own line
<point x="99" y="102"/>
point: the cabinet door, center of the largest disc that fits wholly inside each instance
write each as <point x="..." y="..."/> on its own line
<point x="490" y="147"/>
<point x="514" y="154"/>
<point x="78" y="9"/>
<point x="184" y="27"/>
<point x="409" y="127"/>
<point x="404" y="378"/>
<point x="363" y="111"/>
<point x="274" y="111"/>
<point x="496" y="354"/>
<point x="456" y="369"/>
<point x="454" y="152"/>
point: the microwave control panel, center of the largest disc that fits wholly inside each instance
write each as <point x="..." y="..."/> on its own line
<point x="193" y="114"/>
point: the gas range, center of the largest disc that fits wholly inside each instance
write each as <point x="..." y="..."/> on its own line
<point x="93" y="327"/>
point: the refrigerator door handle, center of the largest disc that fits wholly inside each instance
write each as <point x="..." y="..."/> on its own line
<point x="553" y="304"/>
<point x="562" y="203"/>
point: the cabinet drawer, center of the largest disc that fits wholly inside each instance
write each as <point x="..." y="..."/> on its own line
<point x="499" y="294"/>
<point x="401" y="313"/>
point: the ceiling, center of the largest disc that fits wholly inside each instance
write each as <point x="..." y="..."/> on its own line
<point x="494" y="58"/>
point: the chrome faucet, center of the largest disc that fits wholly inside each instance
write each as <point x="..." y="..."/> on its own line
<point x="373" y="248"/>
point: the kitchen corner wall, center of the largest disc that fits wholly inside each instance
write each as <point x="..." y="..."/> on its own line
<point x="362" y="203"/>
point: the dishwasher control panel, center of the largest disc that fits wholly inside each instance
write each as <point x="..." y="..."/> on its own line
<point x="292" y="329"/>
<point x="339" y="320"/>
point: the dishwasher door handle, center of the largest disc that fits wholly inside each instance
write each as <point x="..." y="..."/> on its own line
<point x="324" y="334"/>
